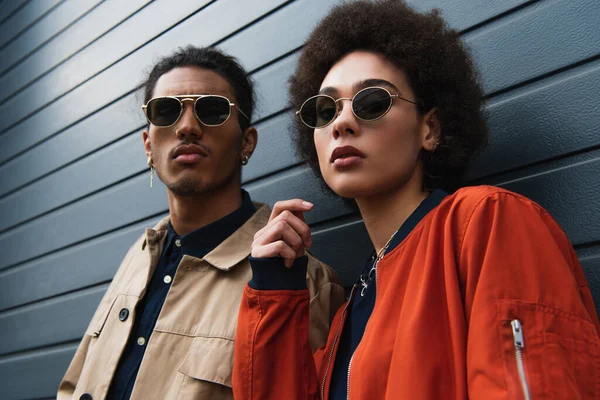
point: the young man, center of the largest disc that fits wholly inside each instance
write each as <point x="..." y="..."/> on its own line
<point x="165" y="328"/>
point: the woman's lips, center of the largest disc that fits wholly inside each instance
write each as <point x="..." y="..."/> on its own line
<point x="346" y="156"/>
<point x="347" y="161"/>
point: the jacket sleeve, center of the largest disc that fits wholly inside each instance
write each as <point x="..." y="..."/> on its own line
<point x="281" y="309"/>
<point x="69" y="382"/>
<point x="273" y="358"/>
<point x="532" y="326"/>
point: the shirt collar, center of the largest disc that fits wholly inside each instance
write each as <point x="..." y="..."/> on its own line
<point x="230" y="251"/>
<point x="203" y="240"/>
<point x="431" y="202"/>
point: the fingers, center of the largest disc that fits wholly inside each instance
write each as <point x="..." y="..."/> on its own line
<point x="276" y="249"/>
<point x="281" y="230"/>
<point x="295" y="206"/>
<point x="286" y="234"/>
<point x="290" y="219"/>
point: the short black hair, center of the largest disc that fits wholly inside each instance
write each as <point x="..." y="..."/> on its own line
<point x="436" y="62"/>
<point x="215" y="60"/>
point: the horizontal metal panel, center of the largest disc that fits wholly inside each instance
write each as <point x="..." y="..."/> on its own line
<point x="83" y="265"/>
<point x="556" y="116"/>
<point x="110" y="14"/>
<point x="274" y="150"/>
<point x="463" y="14"/>
<point x="58" y="19"/>
<point x="99" y="170"/>
<point x="10" y="7"/>
<point x="206" y="26"/>
<point x="24" y="18"/>
<point x="122" y="204"/>
<point x="537" y="40"/>
<point x="346" y="248"/>
<point x="35" y="375"/>
<point x="100" y="129"/>
<point x="61" y="319"/>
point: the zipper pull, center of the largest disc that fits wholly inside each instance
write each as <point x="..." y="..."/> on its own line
<point x="517" y="330"/>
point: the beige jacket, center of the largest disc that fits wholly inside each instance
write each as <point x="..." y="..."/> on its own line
<point x="190" y="352"/>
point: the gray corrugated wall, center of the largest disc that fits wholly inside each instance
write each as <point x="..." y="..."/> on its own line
<point x="73" y="179"/>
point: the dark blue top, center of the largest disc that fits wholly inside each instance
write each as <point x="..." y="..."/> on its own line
<point x="270" y="274"/>
<point x="196" y="244"/>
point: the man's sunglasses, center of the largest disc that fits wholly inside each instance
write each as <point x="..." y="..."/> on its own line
<point x="369" y="104"/>
<point x="210" y="109"/>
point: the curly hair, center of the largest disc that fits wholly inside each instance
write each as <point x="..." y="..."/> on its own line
<point x="438" y="67"/>
<point x="214" y="60"/>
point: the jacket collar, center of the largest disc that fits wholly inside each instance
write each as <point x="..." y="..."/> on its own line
<point x="231" y="251"/>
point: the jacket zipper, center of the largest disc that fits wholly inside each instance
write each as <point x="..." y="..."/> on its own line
<point x="337" y="334"/>
<point x="357" y="347"/>
<point x="517" y="330"/>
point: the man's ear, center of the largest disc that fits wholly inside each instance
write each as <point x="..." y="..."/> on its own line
<point x="249" y="141"/>
<point x="431" y="130"/>
<point x="146" y="139"/>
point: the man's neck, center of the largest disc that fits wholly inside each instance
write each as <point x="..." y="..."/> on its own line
<point x="194" y="212"/>
<point x="385" y="213"/>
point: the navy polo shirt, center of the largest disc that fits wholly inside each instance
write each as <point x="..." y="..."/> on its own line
<point x="196" y="244"/>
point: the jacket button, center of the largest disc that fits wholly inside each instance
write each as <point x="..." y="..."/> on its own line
<point x="86" y="396"/>
<point x="123" y="314"/>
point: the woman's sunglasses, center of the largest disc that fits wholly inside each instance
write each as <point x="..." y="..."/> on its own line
<point x="210" y="110"/>
<point x="369" y="104"/>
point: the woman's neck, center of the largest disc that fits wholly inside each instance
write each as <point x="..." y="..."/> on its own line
<point x="385" y="213"/>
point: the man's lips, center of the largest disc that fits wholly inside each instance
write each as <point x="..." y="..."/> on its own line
<point x="190" y="153"/>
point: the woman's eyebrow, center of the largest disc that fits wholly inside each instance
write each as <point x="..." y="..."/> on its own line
<point x="375" y="82"/>
<point x="328" y="90"/>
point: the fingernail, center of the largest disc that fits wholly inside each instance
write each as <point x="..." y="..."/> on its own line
<point x="307" y="204"/>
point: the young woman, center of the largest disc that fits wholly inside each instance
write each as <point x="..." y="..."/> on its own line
<point x="477" y="294"/>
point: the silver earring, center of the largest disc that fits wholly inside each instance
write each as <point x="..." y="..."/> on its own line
<point x="151" y="165"/>
<point x="245" y="159"/>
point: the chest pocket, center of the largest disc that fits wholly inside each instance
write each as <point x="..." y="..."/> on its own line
<point x="207" y="369"/>
<point x="100" y="317"/>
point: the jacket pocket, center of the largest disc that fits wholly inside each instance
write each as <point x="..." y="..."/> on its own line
<point x="207" y="369"/>
<point x="548" y="353"/>
<point x="100" y="317"/>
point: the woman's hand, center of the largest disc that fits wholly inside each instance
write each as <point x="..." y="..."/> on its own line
<point x="286" y="235"/>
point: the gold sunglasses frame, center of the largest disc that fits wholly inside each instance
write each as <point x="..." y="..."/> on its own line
<point x="337" y="107"/>
<point x="194" y="98"/>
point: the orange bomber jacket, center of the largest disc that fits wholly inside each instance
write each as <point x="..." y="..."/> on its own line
<point x="484" y="299"/>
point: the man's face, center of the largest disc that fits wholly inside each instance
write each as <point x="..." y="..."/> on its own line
<point x="191" y="158"/>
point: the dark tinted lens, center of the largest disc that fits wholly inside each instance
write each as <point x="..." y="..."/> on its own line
<point x="213" y="110"/>
<point x="371" y="103"/>
<point x="163" y="112"/>
<point x="318" y="111"/>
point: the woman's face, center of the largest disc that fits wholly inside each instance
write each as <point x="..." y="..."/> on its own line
<point x="360" y="159"/>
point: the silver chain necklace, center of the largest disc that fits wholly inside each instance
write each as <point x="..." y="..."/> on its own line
<point x="365" y="280"/>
